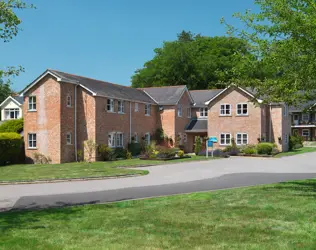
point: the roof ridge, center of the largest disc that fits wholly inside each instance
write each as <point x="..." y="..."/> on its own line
<point x="203" y="90"/>
<point x="91" y="78"/>
<point x="172" y="86"/>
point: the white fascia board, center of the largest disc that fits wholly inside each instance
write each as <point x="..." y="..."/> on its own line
<point x="10" y="97"/>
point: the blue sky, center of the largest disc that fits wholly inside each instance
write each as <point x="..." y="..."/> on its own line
<point x="107" y="39"/>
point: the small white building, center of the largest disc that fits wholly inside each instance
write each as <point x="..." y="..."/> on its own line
<point x="12" y="108"/>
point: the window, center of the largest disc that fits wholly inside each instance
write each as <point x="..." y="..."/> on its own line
<point x="120" y="106"/>
<point x="225" y="109"/>
<point x="241" y="139"/>
<point x="115" y="139"/>
<point x="179" y="111"/>
<point x="110" y="105"/>
<point x="135" y="137"/>
<point x="147" y="138"/>
<point x="68" y="100"/>
<point x="185" y="138"/>
<point x="68" y="138"/>
<point x="305" y="116"/>
<point x="147" y="109"/>
<point x="11" y="114"/>
<point x="242" y="109"/>
<point x="203" y="112"/>
<point x="225" y="139"/>
<point x="31" y="138"/>
<point x="305" y="132"/>
<point x="32" y="103"/>
<point x="189" y="112"/>
<point x="136" y="106"/>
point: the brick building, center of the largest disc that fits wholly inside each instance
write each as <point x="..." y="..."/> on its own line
<point x="62" y="110"/>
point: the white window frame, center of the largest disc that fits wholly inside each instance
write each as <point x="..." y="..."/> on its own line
<point x="305" y="131"/>
<point x="179" y="109"/>
<point x="31" y="139"/>
<point x="241" y="138"/>
<point x="136" y="137"/>
<point x="203" y="112"/>
<point x="69" y="101"/>
<point x="305" y="114"/>
<point x="68" y="138"/>
<point x="110" y="105"/>
<point x="32" y="103"/>
<point x="185" y="138"/>
<point x="225" y="105"/>
<point x="147" y="109"/>
<point x="120" y="106"/>
<point x="136" y="107"/>
<point x="115" y="139"/>
<point x="8" y="112"/>
<point x="241" y="109"/>
<point x="225" y="139"/>
<point x="147" y="138"/>
<point x="189" y="112"/>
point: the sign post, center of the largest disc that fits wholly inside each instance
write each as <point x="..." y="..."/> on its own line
<point x="210" y="143"/>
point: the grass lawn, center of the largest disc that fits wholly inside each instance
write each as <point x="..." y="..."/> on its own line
<point x="280" y="216"/>
<point x="78" y="169"/>
<point x="297" y="151"/>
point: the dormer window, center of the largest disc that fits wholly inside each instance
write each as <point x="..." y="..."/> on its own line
<point x="69" y="103"/>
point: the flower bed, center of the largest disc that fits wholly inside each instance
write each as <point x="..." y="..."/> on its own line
<point x="164" y="159"/>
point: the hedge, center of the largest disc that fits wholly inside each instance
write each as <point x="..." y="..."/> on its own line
<point x="265" y="148"/>
<point x="15" y="126"/>
<point x="135" y="148"/>
<point x="10" y="147"/>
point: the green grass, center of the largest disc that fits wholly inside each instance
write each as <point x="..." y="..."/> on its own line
<point x="78" y="169"/>
<point x="280" y="216"/>
<point x="297" y="151"/>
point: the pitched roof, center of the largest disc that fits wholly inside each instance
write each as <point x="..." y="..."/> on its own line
<point x="198" y="125"/>
<point x="101" y="88"/>
<point x="96" y="87"/>
<point x="202" y="96"/>
<point x="168" y="95"/>
<point x="302" y="107"/>
<point x="19" y="99"/>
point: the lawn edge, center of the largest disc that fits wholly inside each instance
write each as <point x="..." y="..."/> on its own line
<point x="16" y="182"/>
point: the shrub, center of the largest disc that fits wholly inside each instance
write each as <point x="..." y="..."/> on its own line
<point x="197" y="145"/>
<point x="106" y="153"/>
<point x="15" y="126"/>
<point x="79" y="155"/>
<point x="180" y="153"/>
<point x="165" y="152"/>
<point x="10" y="147"/>
<point x="135" y="148"/>
<point x="296" y="142"/>
<point x="41" y="159"/>
<point x="250" y="149"/>
<point x="265" y="148"/>
<point x="120" y="153"/>
<point x="128" y="155"/>
<point x="232" y="149"/>
<point x="148" y="149"/>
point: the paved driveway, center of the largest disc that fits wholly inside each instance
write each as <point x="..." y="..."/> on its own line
<point x="162" y="180"/>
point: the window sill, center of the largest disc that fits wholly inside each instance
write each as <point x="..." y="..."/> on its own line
<point x="121" y="113"/>
<point x="69" y="106"/>
<point x="242" y="115"/>
<point x="109" y="111"/>
<point x="225" y="115"/>
<point x="147" y="115"/>
<point x="31" y="110"/>
<point x="32" y="148"/>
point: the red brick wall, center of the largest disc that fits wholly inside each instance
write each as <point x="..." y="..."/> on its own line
<point x="250" y="124"/>
<point x="45" y="122"/>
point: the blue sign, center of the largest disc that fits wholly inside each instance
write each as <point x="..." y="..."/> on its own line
<point x="213" y="139"/>
<point x="209" y="143"/>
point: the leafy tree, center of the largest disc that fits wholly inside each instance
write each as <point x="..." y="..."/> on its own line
<point x="200" y="62"/>
<point x="9" y="28"/>
<point x="283" y="39"/>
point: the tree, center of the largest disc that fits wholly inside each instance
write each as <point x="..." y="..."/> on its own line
<point x="283" y="39"/>
<point x="197" y="61"/>
<point x="9" y="28"/>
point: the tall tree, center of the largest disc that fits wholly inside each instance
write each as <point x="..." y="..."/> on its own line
<point x="9" y="28"/>
<point x="283" y="38"/>
<point x="198" y="61"/>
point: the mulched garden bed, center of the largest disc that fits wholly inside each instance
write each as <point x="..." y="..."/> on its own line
<point x="255" y="155"/>
<point x="164" y="159"/>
